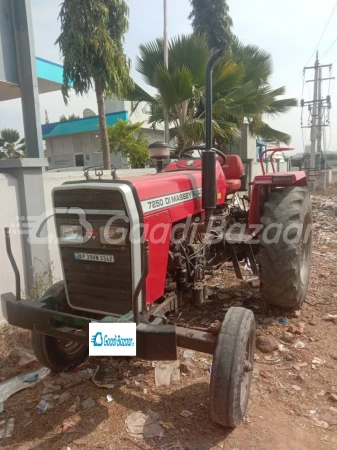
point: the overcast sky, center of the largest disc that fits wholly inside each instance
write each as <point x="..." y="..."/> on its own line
<point x="288" y="29"/>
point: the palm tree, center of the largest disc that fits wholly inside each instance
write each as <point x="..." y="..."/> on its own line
<point x="9" y="145"/>
<point x="64" y="118"/>
<point x="91" y="42"/>
<point x="240" y="88"/>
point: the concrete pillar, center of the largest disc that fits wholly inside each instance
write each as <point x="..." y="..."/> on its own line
<point x="26" y="66"/>
<point x="28" y="172"/>
<point x="244" y="140"/>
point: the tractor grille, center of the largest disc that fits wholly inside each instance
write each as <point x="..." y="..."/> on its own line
<point x="89" y="199"/>
<point x="92" y="285"/>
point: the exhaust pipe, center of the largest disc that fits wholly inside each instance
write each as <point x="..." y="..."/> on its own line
<point x="209" y="196"/>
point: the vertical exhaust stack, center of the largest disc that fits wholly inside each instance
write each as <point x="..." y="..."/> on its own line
<point x="209" y="156"/>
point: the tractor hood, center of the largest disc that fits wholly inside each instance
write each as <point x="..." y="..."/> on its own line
<point x="180" y="191"/>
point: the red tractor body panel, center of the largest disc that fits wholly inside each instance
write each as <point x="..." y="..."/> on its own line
<point x="168" y="198"/>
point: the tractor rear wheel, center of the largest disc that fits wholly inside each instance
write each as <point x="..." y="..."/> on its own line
<point x="232" y="367"/>
<point x="285" y="247"/>
<point x="58" y="354"/>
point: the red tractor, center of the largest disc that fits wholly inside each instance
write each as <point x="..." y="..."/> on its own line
<point x="144" y="241"/>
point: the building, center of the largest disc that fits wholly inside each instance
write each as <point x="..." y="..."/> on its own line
<point x="76" y="143"/>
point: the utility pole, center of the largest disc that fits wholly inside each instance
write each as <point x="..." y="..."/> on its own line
<point x="316" y="107"/>
<point x="320" y="113"/>
<point x="166" y="115"/>
<point x="313" y="133"/>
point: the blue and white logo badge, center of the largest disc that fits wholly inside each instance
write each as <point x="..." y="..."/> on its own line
<point x="112" y="339"/>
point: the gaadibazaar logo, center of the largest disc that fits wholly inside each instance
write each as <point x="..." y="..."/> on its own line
<point x="112" y="339"/>
<point x="98" y="341"/>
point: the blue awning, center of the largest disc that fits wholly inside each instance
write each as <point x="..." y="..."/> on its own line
<point x="85" y="125"/>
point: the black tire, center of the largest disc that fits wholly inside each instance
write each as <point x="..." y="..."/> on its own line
<point x="285" y="264"/>
<point x="56" y="354"/>
<point x="232" y="367"/>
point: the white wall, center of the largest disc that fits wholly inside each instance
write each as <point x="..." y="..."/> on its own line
<point x="9" y="214"/>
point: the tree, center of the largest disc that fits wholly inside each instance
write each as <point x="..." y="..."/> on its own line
<point x="240" y="86"/>
<point x="211" y="17"/>
<point x="64" y="118"/>
<point x="127" y="138"/>
<point x="91" y="42"/>
<point x="9" y="145"/>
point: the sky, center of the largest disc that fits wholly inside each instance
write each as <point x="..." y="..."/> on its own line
<point x="288" y="29"/>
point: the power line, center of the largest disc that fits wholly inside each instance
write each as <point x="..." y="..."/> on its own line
<point x="326" y="26"/>
<point x="334" y="42"/>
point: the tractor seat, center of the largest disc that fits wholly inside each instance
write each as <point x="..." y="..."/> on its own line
<point x="233" y="170"/>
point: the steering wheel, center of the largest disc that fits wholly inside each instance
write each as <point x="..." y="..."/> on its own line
<point x="200" y="148"/>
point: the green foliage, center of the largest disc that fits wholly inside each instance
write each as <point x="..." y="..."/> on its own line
<point x="91" y="44"/>
<point x="240" y="89"/>
<point x="211" y="18"/>
<point x="11" y="146"/>
<point x="127" y="138"/>
<point x="64" y="118"/>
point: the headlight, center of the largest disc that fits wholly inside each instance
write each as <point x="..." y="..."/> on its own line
<point x="113" y="235"/>
<point x="71" y="233"/>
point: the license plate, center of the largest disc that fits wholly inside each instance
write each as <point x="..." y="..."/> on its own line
<point x="94" y="257"/>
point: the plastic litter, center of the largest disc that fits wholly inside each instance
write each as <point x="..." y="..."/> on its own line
<point x="33" y="379"/>
<point x="88" y="403"/>
<point x="189" y="353"/>
<point x="186" y="413"/>
<point x="109" y="398"/>
<point x="167" y="425"/>
<point x="43" y="407"/>
<point x="144" y="391"/>
<point x="282" y="348"/>
<point x="166" y="373"/>
<point x="283" y="321"/>
<point x="26" y="356"/>
<point x="299" y="344"/>
<point x="16" y="384"/>
<point x="68" y="426"/>
<point x="6" y="428"/>
<point x="209" y="368"/>
<point x="74" y="407"/>
<point x="64" y="397"/>
<point x="51" y="387"/>
<point x="140" y="425"/>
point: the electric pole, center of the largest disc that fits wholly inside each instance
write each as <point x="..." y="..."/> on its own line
<point x="313" y="133"/>
<point x="320" y="112"/>
<point x="316" y="109"/>
<point x="166" y="114"/>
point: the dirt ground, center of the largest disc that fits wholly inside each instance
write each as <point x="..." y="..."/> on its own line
<point x="290" y="408"/>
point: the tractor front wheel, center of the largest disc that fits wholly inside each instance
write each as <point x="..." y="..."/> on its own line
<point x="285" y="247"/>
<point x="57" y="354"/>
<point x="232" y="367"/>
